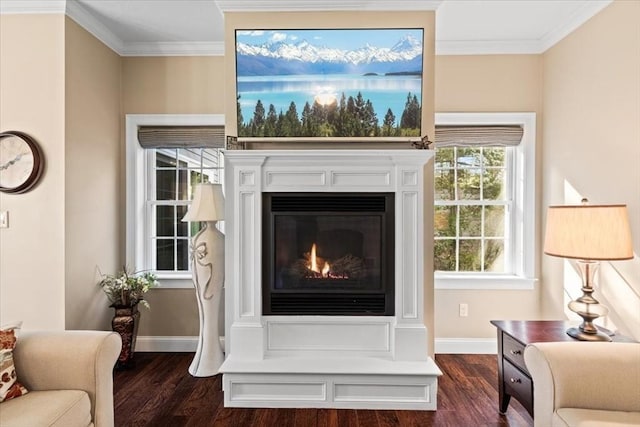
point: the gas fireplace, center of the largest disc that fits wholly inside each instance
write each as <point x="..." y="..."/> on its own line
<point x="326" y="270"/>
<point x="328" y="254"/>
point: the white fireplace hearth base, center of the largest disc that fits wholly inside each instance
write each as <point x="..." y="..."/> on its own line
<point x="358" y="362"/>
<point x="348" y="383"/>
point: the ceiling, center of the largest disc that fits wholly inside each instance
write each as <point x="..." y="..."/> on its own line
<point x="196" y="27"/>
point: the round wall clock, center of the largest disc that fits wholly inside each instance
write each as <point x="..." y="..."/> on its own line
<point x="21" y="162"/>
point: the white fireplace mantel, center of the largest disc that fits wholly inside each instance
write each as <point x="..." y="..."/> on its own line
<point x="377" y="362"/>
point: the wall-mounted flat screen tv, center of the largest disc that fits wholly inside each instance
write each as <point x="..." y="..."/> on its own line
<point x="336" y="83"/>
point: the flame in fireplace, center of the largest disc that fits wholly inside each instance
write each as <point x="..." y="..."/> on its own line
<point x="313" y="267"/>
<point x="314" y="260"/>
<point x="317" y="267"/>
<point x="326" y="269"/>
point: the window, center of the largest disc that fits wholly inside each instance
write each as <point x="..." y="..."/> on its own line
<point x="167" y="156"/>
<point x="172" y="177"/>
<point x="472" y="203"/>
<point x="484" y="200"/>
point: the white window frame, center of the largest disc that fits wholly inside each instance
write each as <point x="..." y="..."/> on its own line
<point x="137" y="227"/>
<point x="524" y="195"/>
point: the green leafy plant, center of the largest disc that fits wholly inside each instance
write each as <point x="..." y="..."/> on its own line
<point x="128" y="289"/>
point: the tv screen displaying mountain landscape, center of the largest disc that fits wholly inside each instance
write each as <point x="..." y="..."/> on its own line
<point x="329" y="83"/>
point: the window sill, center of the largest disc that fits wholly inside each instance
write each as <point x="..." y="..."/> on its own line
<point x="168" y="281"/>
<point x="485" y="282"/>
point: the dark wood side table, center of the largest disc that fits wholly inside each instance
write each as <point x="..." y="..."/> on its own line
<point x="513" y="336"/>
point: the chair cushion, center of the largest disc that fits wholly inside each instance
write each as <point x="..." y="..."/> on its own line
<point x="49" y="408"/>
<point x="577" y="417"/>
<point x="10" y="387"/>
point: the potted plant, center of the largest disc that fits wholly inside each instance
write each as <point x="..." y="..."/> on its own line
<point x="128" y="289"/>
<point x="125" y="291"/>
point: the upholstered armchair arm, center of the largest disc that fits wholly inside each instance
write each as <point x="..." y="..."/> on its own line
<point x="588" y="375"/>
<point x="79" y="360"/>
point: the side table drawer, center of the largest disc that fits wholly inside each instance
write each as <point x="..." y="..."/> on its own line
<point x="518" y="385"/>
<point x="514" y="351"/>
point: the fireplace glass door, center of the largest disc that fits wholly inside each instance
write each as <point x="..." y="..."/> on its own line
<point x="328" y="253"/>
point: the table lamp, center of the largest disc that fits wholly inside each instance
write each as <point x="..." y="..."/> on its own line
<point x="207" y="264"/>
<point x="588" y="234"/>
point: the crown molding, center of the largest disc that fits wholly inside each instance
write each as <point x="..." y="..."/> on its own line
<point x="588" y="10"/>
<point x="87" y="21"/>
<point x="487" y="47"/>
<point x="523" y="47"/>
<point x="324" y="5"/>
<point x="70" y="8"/>
<point x="10" y="7"/>
<point x="173" y="49"/>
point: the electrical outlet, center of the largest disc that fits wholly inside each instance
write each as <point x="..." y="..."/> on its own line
<point x="4" y="219"/>
<point x="463" y="310"/>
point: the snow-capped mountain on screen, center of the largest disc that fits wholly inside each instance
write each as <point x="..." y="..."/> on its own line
<point x="303" y="57"/>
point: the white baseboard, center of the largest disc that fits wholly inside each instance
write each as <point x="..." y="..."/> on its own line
<point x="466" y="346"/>
<point x="442" y="345"/>
<point x="167" y="344"/>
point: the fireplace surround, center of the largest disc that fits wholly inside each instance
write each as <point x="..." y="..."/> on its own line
<point x="336" y="359"/>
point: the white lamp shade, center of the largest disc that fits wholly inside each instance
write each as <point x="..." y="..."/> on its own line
<point x="588" y="232"/>
<point x="207" y="204"/>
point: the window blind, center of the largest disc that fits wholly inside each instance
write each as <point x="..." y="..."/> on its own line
<point x="181" y="136"/>
<point x="478" y="136"/>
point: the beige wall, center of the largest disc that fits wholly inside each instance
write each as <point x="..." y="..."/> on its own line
<point x="172" y="85"/>
<point x="32" y="249"/>
<point x="62" y="86"/>
<point x="93" y="230"/>
<point x="488" y="83"/>
<point x="592" y="144"/>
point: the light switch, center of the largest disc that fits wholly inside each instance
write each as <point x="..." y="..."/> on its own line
<point x="4" y="219"/>
<point x="463" y="310"/>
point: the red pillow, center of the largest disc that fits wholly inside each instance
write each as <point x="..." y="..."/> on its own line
<point x="9" y="385"/>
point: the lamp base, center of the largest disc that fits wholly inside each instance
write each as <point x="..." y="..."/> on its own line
<point x="587" y="306"/>
<point x="581" y="335"/>
<point x="208" y="278"/>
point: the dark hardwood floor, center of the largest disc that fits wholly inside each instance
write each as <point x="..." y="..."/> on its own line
<point x="159" y="391"/>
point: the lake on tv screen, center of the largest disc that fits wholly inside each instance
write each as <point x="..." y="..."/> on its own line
<point x="384" y="92"/>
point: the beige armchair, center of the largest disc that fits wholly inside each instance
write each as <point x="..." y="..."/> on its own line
<point x="585" y="384"/>
<point x="69" y="375"/>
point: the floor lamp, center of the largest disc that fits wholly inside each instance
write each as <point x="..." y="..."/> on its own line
<point x="588" y="234"/>
<point x="207" y="264"/>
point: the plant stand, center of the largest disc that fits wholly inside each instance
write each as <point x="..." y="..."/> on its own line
<point x="125" y="322"/>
